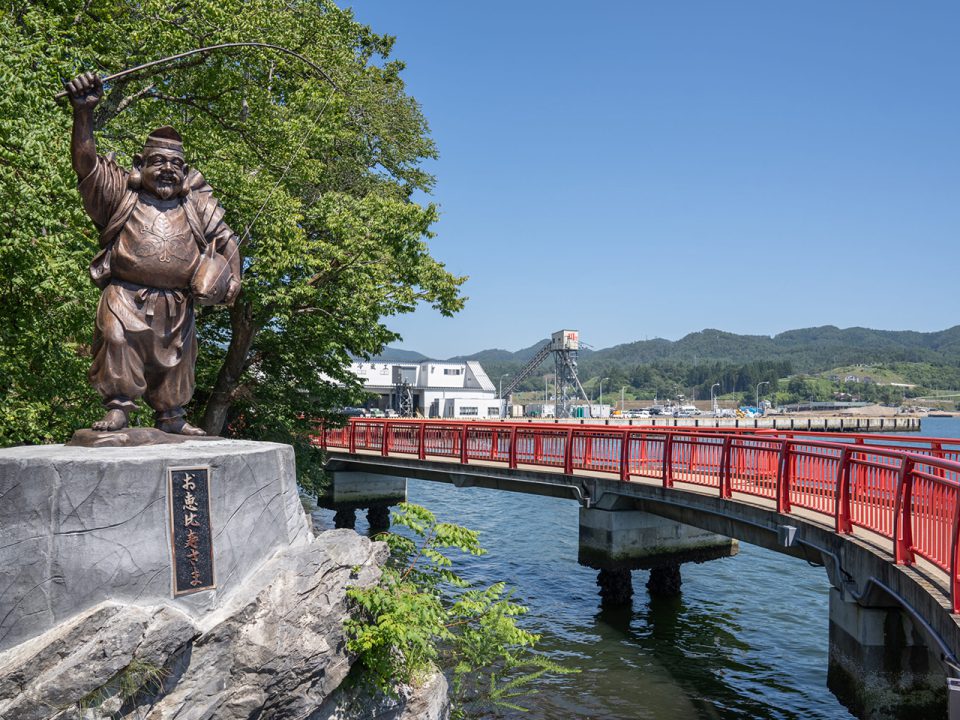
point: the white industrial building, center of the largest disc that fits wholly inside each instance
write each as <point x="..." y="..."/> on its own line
<point x="437" y="389"/>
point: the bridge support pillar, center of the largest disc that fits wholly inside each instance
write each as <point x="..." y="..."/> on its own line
<point x="345" y="517"/>
<point x="352" y="491"/>
<point x="880" y="665"/>
<point x="378" y="517"/>
<point x="363" y="489"/>
<point x="665" y="580"/>
<point x="620" y="540"/>
<point x="616" y="586"/>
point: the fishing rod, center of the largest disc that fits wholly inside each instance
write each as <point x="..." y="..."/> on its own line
<point x="212" y="48"/>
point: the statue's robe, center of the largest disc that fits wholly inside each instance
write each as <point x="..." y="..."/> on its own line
<point x="145" y="342"/>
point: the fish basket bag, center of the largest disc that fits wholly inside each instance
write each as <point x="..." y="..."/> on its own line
<point x="212" y="278"/>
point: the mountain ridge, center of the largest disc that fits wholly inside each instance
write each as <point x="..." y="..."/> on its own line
<point x="807" y="348"/>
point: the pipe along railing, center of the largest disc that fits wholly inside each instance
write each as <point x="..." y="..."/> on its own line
<point x="909" y="495"/>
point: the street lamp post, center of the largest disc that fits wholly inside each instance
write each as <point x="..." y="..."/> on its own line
<point x="503" y="407"/>
<point x="765" y="382"/>
<point x="600" y="397"/>
<point x="713" y="398"/>
<point x="622" y="409"/>
<point x="544" y="413"/>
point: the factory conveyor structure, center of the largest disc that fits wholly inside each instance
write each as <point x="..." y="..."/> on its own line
<point x="564" y="346"/>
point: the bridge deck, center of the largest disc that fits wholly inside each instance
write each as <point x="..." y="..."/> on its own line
<point x="935" y="578"/>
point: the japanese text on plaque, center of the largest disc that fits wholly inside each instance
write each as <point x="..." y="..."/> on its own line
<point x="192" y="539"/>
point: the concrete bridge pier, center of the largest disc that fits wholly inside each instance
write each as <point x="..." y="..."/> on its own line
<point x="618" y="540"/>
<point x="352" y="491"/>
<point x="880" y="665"/>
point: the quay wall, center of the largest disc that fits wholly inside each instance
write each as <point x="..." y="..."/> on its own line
<point x="778" y="422"/>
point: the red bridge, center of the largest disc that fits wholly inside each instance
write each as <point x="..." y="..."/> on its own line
<point x="880" y="511"/>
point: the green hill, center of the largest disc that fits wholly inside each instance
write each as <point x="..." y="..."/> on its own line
<point x="808" y="350"/>
<point x="695" y="362"/>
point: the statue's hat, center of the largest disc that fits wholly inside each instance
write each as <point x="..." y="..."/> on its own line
<point x="164" y="137"/>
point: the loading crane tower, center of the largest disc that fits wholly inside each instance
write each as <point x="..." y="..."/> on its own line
<point x="564" y="346"/>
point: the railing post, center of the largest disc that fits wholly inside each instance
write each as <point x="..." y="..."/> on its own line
<point x="385" y="438"/>
<point x="422" y="444"/>
<point x="513" y="447"/>
<point x="783" y="478"/>
<point x="903" y="516"/>
<point x="955" y="561"/>
<point x="625" y="456"/>
<point x="844" y="525"/>
<point x="568" y="453"/>
<point x="726" y="490"/>
<point x="936" y="450"/>
<point x="464" y="458"/>
<point x="494" y="444"/>
<point x="352" y="433"/>
<point x="668" y="461"/>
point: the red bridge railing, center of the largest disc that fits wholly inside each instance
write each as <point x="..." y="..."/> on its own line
<point x="905" y="490"/>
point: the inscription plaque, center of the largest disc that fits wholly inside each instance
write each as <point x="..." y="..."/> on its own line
<point x="191" y="536"/>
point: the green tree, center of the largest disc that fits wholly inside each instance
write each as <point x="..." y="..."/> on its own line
<point x="326" y="175"/>
<point x="422" y="615"/>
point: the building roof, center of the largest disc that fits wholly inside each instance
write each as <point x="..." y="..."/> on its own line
<point x="481" y="376"/>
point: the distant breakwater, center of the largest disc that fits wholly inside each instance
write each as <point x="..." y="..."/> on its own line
<point x="778" y="422"/>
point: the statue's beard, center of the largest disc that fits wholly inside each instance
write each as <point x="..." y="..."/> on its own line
<point x="166" y="189"/>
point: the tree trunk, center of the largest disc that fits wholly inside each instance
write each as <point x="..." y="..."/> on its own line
<point x="243" y="332"/>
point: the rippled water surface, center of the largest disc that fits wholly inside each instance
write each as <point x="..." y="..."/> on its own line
<point x="746" y="639"/>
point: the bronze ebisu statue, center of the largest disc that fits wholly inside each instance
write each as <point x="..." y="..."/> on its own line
<point x="163" y="246"/>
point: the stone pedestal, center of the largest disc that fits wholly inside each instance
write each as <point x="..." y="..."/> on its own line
<point x="880" y="665"/>
<point x="80" y="526"/>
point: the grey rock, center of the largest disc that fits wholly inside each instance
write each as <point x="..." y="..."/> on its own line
<point x="70" y="662"/>
<point x="81" y="526"/>
<point x="275" y="650"/>
<point x="428" y="701"/>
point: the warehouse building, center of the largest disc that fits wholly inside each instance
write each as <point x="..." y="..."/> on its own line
<point x="431" y="389"/>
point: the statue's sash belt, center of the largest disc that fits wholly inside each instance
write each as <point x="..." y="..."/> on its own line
<point x="146" y="298"/>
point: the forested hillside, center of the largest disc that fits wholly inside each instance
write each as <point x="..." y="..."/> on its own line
<point x="658" y="367"/>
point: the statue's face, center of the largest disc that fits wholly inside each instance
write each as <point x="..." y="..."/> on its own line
<point x="163" y="172"/>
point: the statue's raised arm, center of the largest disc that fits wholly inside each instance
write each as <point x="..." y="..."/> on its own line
<point x="84" y="91"/>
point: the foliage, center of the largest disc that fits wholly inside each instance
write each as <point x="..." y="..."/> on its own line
<point x="423" y="614"/>
<point x="137" y="678"/>
<point x="328" y="175"/>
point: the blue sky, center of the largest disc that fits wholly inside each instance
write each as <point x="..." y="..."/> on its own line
<point x="649" y="169"/>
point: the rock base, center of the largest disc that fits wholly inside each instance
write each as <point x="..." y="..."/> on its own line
<point x="82" y="526"/>
<point x="278" y="650"/>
